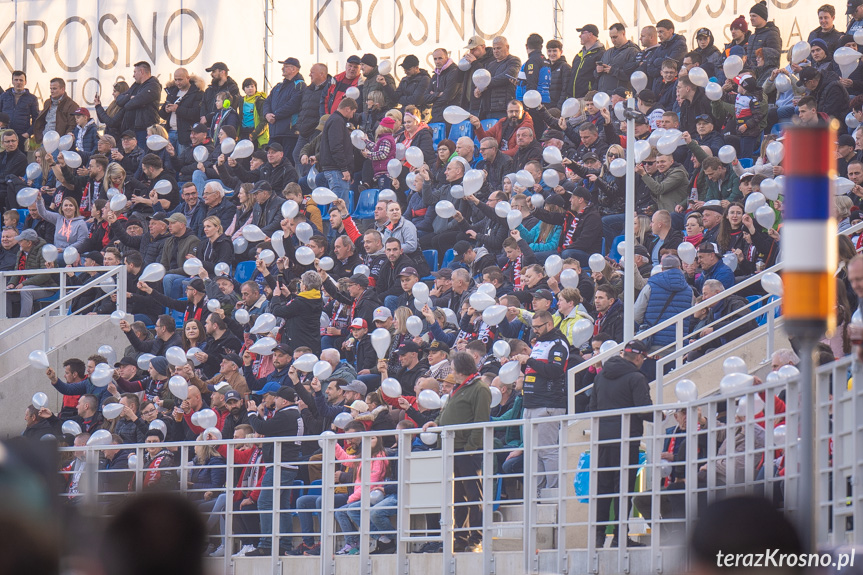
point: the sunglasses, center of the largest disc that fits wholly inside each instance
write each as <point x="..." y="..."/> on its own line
<point x="648" y="163"/>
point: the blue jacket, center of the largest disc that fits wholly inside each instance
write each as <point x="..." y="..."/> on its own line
<point x="285" y="101"/>
<point x="209" y="475"/>
<point x="22" y="114"/>
<point x="720" y="272"/>
<point x="280" y="376"/>
<point x="83" y="387"/>
<point x="662" y="286"/>
<point x="89" y="138"/>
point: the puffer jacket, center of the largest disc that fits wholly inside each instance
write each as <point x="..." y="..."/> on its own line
<point x="501" y="90"/>
<point x="22" y="113"/>
<point x="623" y="64"/>
<point x="188" y="108"/>
<point x="766" y="37"/>
<point x="208" y="100"/>
<point x="140" y="104"/>
<point x="284" y="102"/>
<point x="303" y="315"/>
<point x="312" y="107"/>
<point x="560" y="72"/>
<point x="412" y="90"/>
<point x="35" y="261"/>
<point x="667" y="287"/>
<point x="674" y="48"/>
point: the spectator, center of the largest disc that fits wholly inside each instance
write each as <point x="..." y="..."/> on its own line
<point x="56" y="112"/>
<point x="266" y="213"/>
<point x="720" y="314"/>
<point x="253" y="121"/>
<point x="221" y="82"/>
<point x="21" y="106"/>
<point x="182" y="106"/>
<point x="283" y="105"/>
<point x="665" y="295"/>
<point x="478" y="56"/>
<point x="413" y="86"/>
<point x="336" y="154"/>
<point x="765" y="34"/>
<point x="30" y="258"/>
<point x="711" y="56"/>
<point x="617" y="63"/>
<point x="140" y="103"/>
<point x="166" y="336"/>
<point x="341" y="82"/>
<point x="501" y="90"/>
<point x="444" y="86"/>
<point x="712" y="267"/>
<point x="504" y="131"/>
<point x="650" y="58"/>
<point x="671" y="46"/>
<point x="112" y="117"/>
<point x="583" y="78"/>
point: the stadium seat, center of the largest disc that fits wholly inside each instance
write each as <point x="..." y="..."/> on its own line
<point x="615" y="255"/>
<point x="178" y="315"/>
<point x="244" y="271"/>
<point x="486" y="124"/>
<point x="448" y="258"/>
<point x="22" y="217"/>
<point x="460" y="130"/>
<point x="325" y="209"/>
<point x="366" y="203"/>
<point x="438" y="132"/>
<point x="746" y="163"/>
<point x="431" y="260"/>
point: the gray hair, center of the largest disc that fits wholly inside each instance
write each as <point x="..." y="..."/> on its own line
<point x="714" y="285"/>
<point x="461" y="274"/>
<point x="311" y="280"/>
<point x="216" y="186"/>
<point x="785" y="356"/>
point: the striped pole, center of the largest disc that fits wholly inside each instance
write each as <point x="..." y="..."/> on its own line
<point x="809" y="252"/>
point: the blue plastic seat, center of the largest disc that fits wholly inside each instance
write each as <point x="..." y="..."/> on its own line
<point x="325" y="209"/>
<point x="746" y="163"/>
<point x="615" y="255"/>
<point x="438" y="132"/>
<point x="177" y="315"/>
<point x="486" y="124"/>
<point x="366" y="203"/>
<point x="448" y="258"/>
<point x="431" y="260"/>
<point x="244" y="271"/>
<point x="22" y="217"/>
<point x="460" y="130"/>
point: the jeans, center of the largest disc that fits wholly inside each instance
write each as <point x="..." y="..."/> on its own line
<point x="200" y="180"/>
<point x="547" y="441"/>
<point x="307" y="506"/>
<point x="348" y="518"/>
<point x="379" y="515"/>
<point x="372" y="381"/>
<point x="141" y="135"/>
<point x="581" y="256"/>
<point x="612" y="226"/>
<point x="173" y="284"/>
<point x="391" y="302"/>
<point x="513" y="465"/>
<point x="337" y="185"/>
<point x="265" y="505"/>
<point x="216" y="509"/>
<point x="174" y="139"/>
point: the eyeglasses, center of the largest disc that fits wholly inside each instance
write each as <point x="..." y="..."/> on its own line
<point x="612" y="156"/>
<point x="648" y="163"/>
<point x="536" y="326"/>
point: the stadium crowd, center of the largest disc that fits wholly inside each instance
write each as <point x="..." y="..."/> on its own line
<point x="430" y="230"/>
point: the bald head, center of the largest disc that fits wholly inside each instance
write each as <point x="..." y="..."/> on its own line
<point x="181" y="78"/>
<point x="427" y="383"/>
<point x="331" y="356"/>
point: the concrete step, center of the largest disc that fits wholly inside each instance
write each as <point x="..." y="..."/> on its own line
<point x="509" y="536"/>
<point x="546" y="513"/>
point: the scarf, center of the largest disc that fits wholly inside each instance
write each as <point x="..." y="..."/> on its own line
<point x="694" y="240"/>
<point x="444" y="67"/>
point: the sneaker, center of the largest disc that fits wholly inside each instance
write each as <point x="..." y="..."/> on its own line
<point x="259" y="552"/>
<point x="346" y="550"/>
<point x="210" y="548"/>
<point x="432" y="547"/>
<point x="286" y="552"/>
<point x="354" y="551"/>
<point x="301" y="550"/>
<point x="314" y="549"/>
<point x="382" y="548"/>
<point x="242" y="552"/>
<point x="219" y="552"/>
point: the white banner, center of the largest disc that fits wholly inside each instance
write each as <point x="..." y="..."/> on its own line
<point x="93" y="43"/>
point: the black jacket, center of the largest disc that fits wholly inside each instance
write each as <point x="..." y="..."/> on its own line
<point x="268" y="216"/>
<point x="208" y="101"/>
<point x="216" y="350"/>
<point x="501" y="90"/>
<point x="188" y="110"/>
<point x="365" y="306"/>
<point x="312" y="107"/>
<point x="560" y="73"/>
<point x="336" y="148"/>
<point x="690" y="110"/>
<point x="286" y="422"/>
<point x="832" y="97"/>
<point x="444" y="90"/>
<point x="303" y="320"/>
<point x="545" y="371"/>
<point x="412" y="90"/>
<point x="620" y="385"/>
<point x="140" y="105"/>
<point x="469" y="101"/>
<point x="583" y="79"/>
<point x="280" y="175"/>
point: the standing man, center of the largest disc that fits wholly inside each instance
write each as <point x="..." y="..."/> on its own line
<point x="221" y="83"/>
<point x="618" y="63"/>
<point x="341" y="82"/>
<point x="413" y="86"/>
<point x="765" y="34"/>
<point x="311" y="103"/>
<point x="545" y="393"/>
<point x="535" y="74"/>
<point x="583" y="78"/>
<point x="478" y="56"/>
<point x="649" y="60"/>
<point x="181" y="109"/>
<point x="826" y="29"/>
<point x="501" y="90"/>
<point x="336" y="155"/>
<point x="282" y="106"/>
<point x="140" y="103"/>
<point x="286" y="422"/>
<point x="56" y="112"/>
<point x="560" y="71"/>
<point x="855" y="10"/>
<point x="620" y="385"/>
<point x="469" y="402"/>
<point x="21" y="106"/>
<point x="445" y="85"/>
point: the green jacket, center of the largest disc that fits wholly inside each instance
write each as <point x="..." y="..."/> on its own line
<point x="187" y="245"/>
<point x="513" y="436"/>
<point x="727" y="189"/>
<point x="469" y="403"/>
<point x="669" y="189"/>
<point x="36" y="261"/>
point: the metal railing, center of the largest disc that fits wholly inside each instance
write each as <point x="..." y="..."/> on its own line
<point x="110" y="280"/>
<point x="727" y="450"/>
<point x="678" y="350"/>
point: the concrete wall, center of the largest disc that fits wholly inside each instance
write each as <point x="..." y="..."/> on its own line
<point x="71" y="336"/>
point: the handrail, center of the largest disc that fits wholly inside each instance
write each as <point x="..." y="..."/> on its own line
<point x="677" y="321"/>
<point x="61" y="304"/>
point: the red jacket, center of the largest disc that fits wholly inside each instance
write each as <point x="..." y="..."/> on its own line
<point x="496" y="132"/>
<point x="249" y="458"/>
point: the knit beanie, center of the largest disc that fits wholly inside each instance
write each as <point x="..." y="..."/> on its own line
<point x="739" y="23"/>
<point x="760" y="9"/>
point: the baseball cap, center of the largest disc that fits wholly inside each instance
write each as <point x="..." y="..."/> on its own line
<point x="713" y="208"/>
<point x="737" y="51"/>
<point x="847" y="140"/>
<point x="178" y="217"/>
<point x="640" y="119"/>
<point x="274" y="146"/>
<point x="290" y="62"/>
<point x="95" y="256"/>
<point x="582" y="192"/>
<point x="852" y="6"/>
<point x="369" y="60"/>
<point x="233" y="394"/>
<point x="704" y="118"/>
<point x="543" y="294"/>
<point x="81" y="112"/>
<point x="636" y="346"/>
<point x="29" y="235"/>
<point x="260" y="155"/>
<point x="589" y="157"/>
<point x="444" y="273"/>
<point x="221" y="387"/>
<point x="619" y="91"/>
<point x="555" y="200"/>
<point x="287" y="393"/>
<point x="354" y="59"/>
<point x="408" y="271"/>
<point x="359" y="323"/>
<point x="126" y="361"/>
<point x="359" y="279"/>
<point x="128" y="134"/>
<point x="283" y="348"/>
<point x="199" y="128"/>
<point x="589" y="28"/>
<point x="233" y="357"/>
<point x="708" y="248"/>
<point x="553" y="135"/>
<point x="357" y="386"/>
<point x="360" y="406"/>
<point x="640" y="250"/>
<point x="160" y="217"/>
<point x="408" y="347"/>
<point x="647" y="96"/>
<point x="270" y="387"/>
<point x="703" y="32"/>
<point x="745" y="175"/>
<point x="382" y="314"/>
<point x="438" y="345"/>
<point x="459" y="250"/>
<point x="410" y="61"/>
<point x="474" y="42"/>
<point x="217" y="66"/>
<point x="263" y="185"/>
<point x="670" y="262"/>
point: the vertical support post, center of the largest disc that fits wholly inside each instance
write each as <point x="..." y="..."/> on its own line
<point x="629" y="228"/>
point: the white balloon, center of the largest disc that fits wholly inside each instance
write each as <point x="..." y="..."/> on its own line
<point x="772" y="284"/>
<point x="253" y="233"/>
<point x="207" y="418"/>
<point x="571" y="107"/>
<point x="322" y="370"/>
<point x="666" y="145"/>
<point x="156" y="142"/>
<point x="391" y="388"/>
<point x="263" y="346"/>
<point x="327" y="263"/>
<point x="176" y="356"/>
<point x="765" y="216"/>
<point x="496" y="396"/>
<point x="488" y="289"/>
<point x="70" y="255"/>
<point x="428" y="399"/>
<point x="100" y="437"/>
<point x="192" y="266"/>
<point x="163" y="187"/>
<point x="582" y="332"/>
<point x="713" y="91"/>
<point x="509" y="372"/>
<point x="552" y="155"/>
<point x="732" y="66"/>
<point x="537" y="200"/>
<point x="730" y="260"/>
<point x="117" y="316"/>
<point x="686" y="390"/>
<point x="241" y="316"/>
<point x="264" y="324"/>
<point x="342" y="420"/>
<point x="553" y="265"/>
<point x="267" y="256"/>
<point x="642" y="150"/>
<point x="687" y="253"/>
<point x="39" y="400"/>
<point x="455" y="114"/>
<point x="49" y="252"/>
<point x="472" y="182"/>
<point x="394" y="169"/>
<point x="775" y="152"/>
<point x="456" y="191"/>
<point x="727" y="154"/>
<point x="502" y="209"/>
<point x="241" y="244"/>
<point x="698" y="76"/>
<point x="445" y="209"/>
<point x="414" y="156"/>
<point x="38" y="359"/>
<point x="513" y="219"/>
<point x="385" y="67"/>
<point x="597" y="262"/>
<point x="102" y="375"/>
<point x="754" y="201"/>
<point x="532" y="99"/>
<point x="480" y="301"/>
<point x="362" y="269"/>
<point x="118" y="203"/>
<point x="200" y="153"/>
<point x="243" y="149"/>
<point x="152" y="273"/>
<point x="323" y="441"/>
<point x="569" y="278"/>
<point x="463" y="65"/>
<point x="228" y="145"/>
<point x="780" y="432"/>
<point x="144" y="361"/>
<point x="304" y="232"/>
<point x="190" y="354"/>
<point x="787" y="372"/>
<point x="428" y="438"/>
<point x="305" y="255"/>
<point x="620" y="111"/>
<point x="421" y="292"/>
<point x="27" y="197"/>
<point x="108" y="353"/>
<point x="606" y="347"/>
<point x="160" y="425"/>
<point x="638" y="80"/>
<point x="414" y="325"/>
<point x="782" y="83"/>
<point x="223" y="269"/>
<point x="389" y="195"/>
<point x="494" y="314"/>
<point x="33" y="171"/>
<point x="353" y="93"/>
<point x="551" y="178"/>
<point x="71" y="428"/>
<point x="800" y="52"/>
<point x="601" y="100"/>
<point x="358" y="139"/>
<point x="112" y="411"/>
<point x="73" y="159"/>
<point x="323" y="196"/>
<point x="51" y="141"/>
<point x="617" y="167"/>
<point x="400" y="151"/>
<point x="381" y="340"/>
<point x="290" y="209"/>
<point x="213" y="305"/>
<point x="501" y="349"/>
<point x="734" y="364"/>
<point x="325" y="320"/>
<point x="842" y="185"/>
